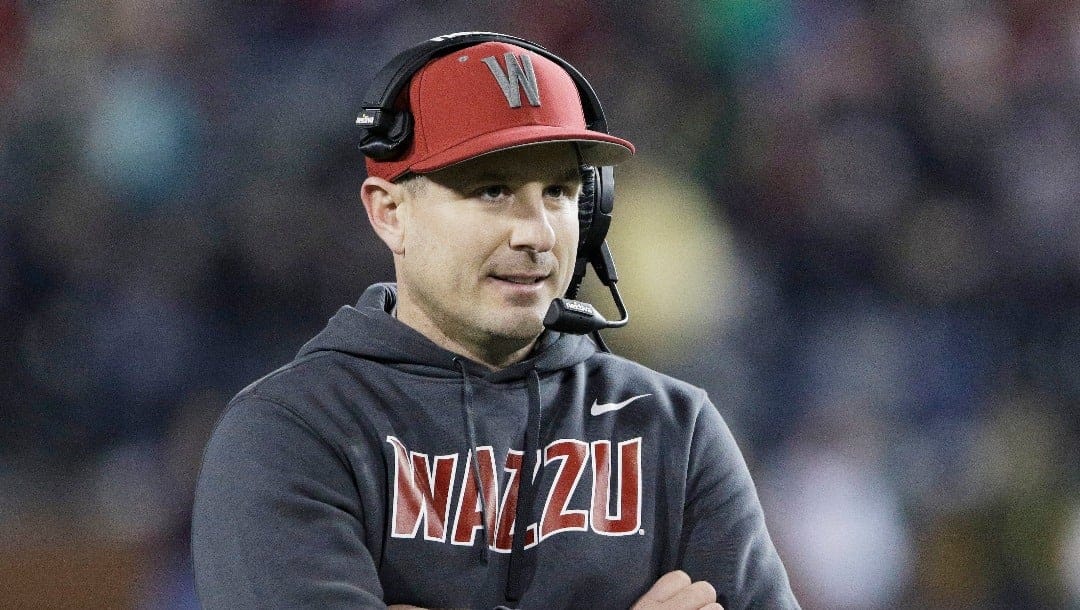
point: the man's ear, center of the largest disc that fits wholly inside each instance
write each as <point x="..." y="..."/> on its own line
<point x="382" y="200"/>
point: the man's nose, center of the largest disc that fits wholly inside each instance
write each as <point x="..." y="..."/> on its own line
<point x="532" y="227"/>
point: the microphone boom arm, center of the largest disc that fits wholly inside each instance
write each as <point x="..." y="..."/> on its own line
<point x="577" y="317"/>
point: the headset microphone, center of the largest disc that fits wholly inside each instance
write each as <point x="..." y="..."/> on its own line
<point x="567" y="315"/>
<point x="595" y="204"/>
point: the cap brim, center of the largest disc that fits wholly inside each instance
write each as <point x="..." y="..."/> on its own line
<point x="596" y="148"/>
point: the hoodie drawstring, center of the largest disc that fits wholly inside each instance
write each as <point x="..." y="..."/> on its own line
<point x="522" y="566"/>
<point x="470" y="430"/>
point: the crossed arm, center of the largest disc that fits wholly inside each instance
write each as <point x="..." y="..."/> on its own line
<point x="674" y="591"/>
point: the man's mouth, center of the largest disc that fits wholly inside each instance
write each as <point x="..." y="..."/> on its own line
<point x="524" y="279"/>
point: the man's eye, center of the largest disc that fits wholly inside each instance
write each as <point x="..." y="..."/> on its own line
<point x="493" y="192"/>
<point x="558" y="191"/>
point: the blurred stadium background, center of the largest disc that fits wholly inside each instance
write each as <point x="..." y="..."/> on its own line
<point x="854" y="223"/>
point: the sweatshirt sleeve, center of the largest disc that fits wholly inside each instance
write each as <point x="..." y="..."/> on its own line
<point x="277" y="519"/>
<point x="724" y="539"/>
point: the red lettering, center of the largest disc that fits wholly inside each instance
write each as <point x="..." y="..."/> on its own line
<point x="627" y="517"/>
<point x="556" y="518"/>
<point x="420" y="496"/>
<point x="470" y="510"/>
<point x="504" y="531"/>
<point x="422" y="492"/>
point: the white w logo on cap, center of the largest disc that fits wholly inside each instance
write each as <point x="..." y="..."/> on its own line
<point x="519" y="75"/>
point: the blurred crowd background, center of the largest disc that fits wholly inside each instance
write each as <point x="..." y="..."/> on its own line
<point x="854" y="223"/>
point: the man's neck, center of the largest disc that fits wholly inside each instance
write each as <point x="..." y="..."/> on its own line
<point x="493" y="359"/>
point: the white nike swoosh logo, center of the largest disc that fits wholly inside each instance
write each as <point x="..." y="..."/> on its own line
<point x="600" y="409"/>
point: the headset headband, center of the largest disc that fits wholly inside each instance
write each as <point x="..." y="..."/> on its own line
<point x="378" y="109"/>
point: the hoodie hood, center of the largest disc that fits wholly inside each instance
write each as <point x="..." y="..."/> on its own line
<point x="370" y="331"/>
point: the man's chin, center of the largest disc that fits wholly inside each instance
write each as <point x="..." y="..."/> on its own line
<point x="524" y="328"/>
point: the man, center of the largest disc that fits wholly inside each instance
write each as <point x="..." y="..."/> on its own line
<point x="435" y="446"/>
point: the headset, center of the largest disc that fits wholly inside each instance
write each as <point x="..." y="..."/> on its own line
<point x="387" y="131"/>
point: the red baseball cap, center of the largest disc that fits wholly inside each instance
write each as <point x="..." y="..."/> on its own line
<point x="489" y="97"/>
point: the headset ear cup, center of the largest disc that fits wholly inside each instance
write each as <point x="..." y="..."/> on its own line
<point x="586" y="208"/>
<point x="386" y="144"/>
<point x="586" y="211"/>
<point x="601" y="199"/>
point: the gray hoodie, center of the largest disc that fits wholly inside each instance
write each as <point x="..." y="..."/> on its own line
<point x="378" y="468"/>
